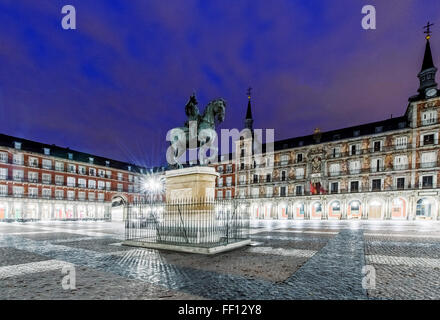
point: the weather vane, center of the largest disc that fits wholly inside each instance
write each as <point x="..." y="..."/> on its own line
<point x="428" y="30"/>
<point x="249" y="92"/>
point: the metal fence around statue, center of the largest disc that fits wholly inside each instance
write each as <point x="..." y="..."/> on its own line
<point x="190" y="222"/>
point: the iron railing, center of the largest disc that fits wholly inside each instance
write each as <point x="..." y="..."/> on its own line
<point x="191" y="222"/>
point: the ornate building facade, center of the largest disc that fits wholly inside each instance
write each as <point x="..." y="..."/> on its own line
<point x="382" y="170"/>
<point x="46" y="182"/>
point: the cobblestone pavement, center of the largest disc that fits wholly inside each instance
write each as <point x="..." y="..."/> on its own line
<point x="287" y="260"/>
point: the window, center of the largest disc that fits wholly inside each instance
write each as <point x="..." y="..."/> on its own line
<point x="242" y="179"/>
<point x="46" y="151"/>
<point x="284" y="159"/>
<point x="242" y="153"/>
<point x="3" y="173"/>
<point x="334" y="187"/>
<point x="71" y="195"/>
<point x="101" y="197"/>
<point x="46" y="193"/>
<point x="119" y="176"/>
<point x="108" y="174"/>
<point x="70" y="156"/>
<point x="376" y="184"/>
<point x="299" y="173"/>
<point x="401" y="142"/>
<point x="255" y="192"/>
<point x="220" y="182"/>
<point x="82" y="183"/>
<point x="91" y="196"/>
<point x="92" y="172"/>
<point x="59" y="194"/>
<point x="59" y="166"/>
<point x="268" y="177"/>
<point x="71" y="168"/>
<point x="228" y="194"/>
<point x="220" y="169"/>
<point x="229" y="181"/>
<point x="33" y="192"/>
<point x="269" y="192"/>
<point x="18" y="191"/>
<point x="428" y="160"/>
<point x="355" y="149"/>
<point x="377" y="146"/>
<point x="229" y="168"/>
<point x="3" y="157"/>
<point x="101" y="185"/>
<point x="400" y="163"/>
<point x="283" y="176"/>
<point x="378" y="129"/>
<point x="18" y="175"/>
<point x="255" y="178"/>
<point x="17" y="145"/>
<point x="3" y="190"/>
<point x="107" y="163"/>
<point x="59" y="180"/>
<point x="70" y="181"/>
<point x="336" y="152"/>
<point x="354" y="186"/>
<point x="81" y="170"/>
<point x="17" y="158"/>
<point x="130" y="178"/>
<point x="33" y="162"/>
<point x="354" y="167"/>
<point x="429" y="117"/>
<point x="108" y="185"/>
<point x="91" y="160"/>
<point x="299" y="157"/>
<point x="120" y="187"/>
<point x="242" y="166"/>
<point x="220" y="194"/>
<point x="47" y="164"/>
<point x="400" y="183"/>
<point x="92" y="184"/>
<point x="428" y="139"/>
<point x="376" y="165"/>
<point x="356" y="133"/>
<point x="46" y="178"/>
<point x="298" y="190"/>
<point x="81" y="195"/>
<point x="427" y="182"/>
<point x="283" y="190"/>
<point x="334" y="169"/>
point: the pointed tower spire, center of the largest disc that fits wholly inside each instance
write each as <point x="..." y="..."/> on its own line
<point x="249" y="122"/>
<point x="428" y="71"/>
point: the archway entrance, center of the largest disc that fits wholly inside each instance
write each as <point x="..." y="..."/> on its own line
<point x="398" y="208"/>
<point x="334" y="210"/>
<point x="425" y="208"/>
<point x="117" y="211"/>
<point x="299" y="210"/>
<point x="354" y="210"/>
<point x="316" y="210"/>
<point x="375" y="210"/>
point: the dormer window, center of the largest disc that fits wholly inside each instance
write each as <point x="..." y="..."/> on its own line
<point x="70" y="156"/>
<point x="401" y="125"/>
<point x="107" y="163"/>
<point x="300" y="143"/>
<point x="17" y="145"/>
<point x="46" y="151"/>
<point x="129" y="168"/>
<point x="91" y="160"/>
<point x="356" y="133"/>
<point x="378" y="129"/>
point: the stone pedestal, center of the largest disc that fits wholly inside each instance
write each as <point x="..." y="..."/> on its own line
<point x="192" y="183"/>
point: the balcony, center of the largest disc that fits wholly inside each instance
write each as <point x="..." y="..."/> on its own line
<point x="400" y="167"/>
<point x="377" y="169"/>
<point x="424" y="165"/>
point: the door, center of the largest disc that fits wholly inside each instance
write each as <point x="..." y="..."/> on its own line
<point x="375" y="212"/>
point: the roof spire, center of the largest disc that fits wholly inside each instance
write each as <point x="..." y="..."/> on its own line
<point x="428" y="71"/>
<point x="248" y="123"/>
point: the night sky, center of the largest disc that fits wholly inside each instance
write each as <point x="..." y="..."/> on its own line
<point x="115" y="85"/>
